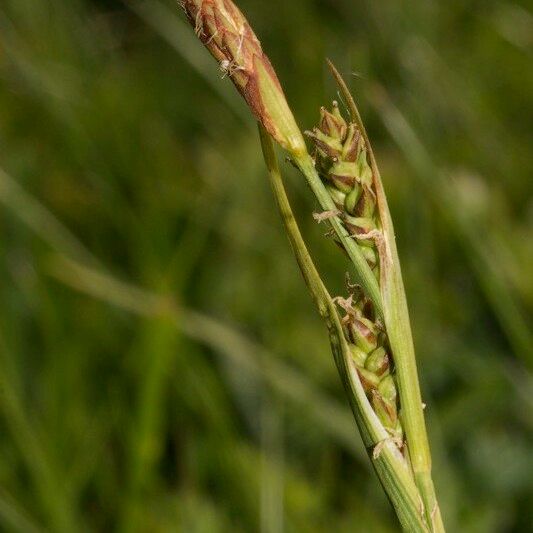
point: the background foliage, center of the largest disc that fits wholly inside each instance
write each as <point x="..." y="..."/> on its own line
<point x="161" y="364"/>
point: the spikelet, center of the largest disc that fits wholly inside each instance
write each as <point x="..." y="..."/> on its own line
<point x="225" y="32"/>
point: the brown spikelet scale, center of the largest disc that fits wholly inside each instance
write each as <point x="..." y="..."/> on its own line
<point x="342" y="162"/>
<point x="225" y="32"/>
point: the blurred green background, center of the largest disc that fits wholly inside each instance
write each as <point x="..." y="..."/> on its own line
<point x="162" y="367"/>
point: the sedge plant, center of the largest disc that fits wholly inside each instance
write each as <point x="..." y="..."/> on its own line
<point x="369" y="327"/>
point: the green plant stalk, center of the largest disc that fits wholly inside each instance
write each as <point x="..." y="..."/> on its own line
<point x="363" y="273"/>
<point x="391" y="304"/>
<point x="396" y="316"/>
<point x="390" y="465"/>
<point x="226" y="33"/>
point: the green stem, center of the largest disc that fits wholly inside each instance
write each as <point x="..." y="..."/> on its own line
<point x="363" y="272"/>
<point x="390" y="466"/>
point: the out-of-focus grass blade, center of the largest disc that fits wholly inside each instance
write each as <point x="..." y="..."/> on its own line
<point x="215" y="334"/>
<point x="272" y="499"/>
<point x="14" y="518"/>
<point x="228" y="341"/>
<point x="49" y="488"/>
<point x="40" y="220"/>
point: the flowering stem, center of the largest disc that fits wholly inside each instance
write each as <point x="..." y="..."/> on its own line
<point x="362" y="271"/>
<point x="345" y="179"/>
<point x="390" y="465"/>
<point x="397" y="323"/>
